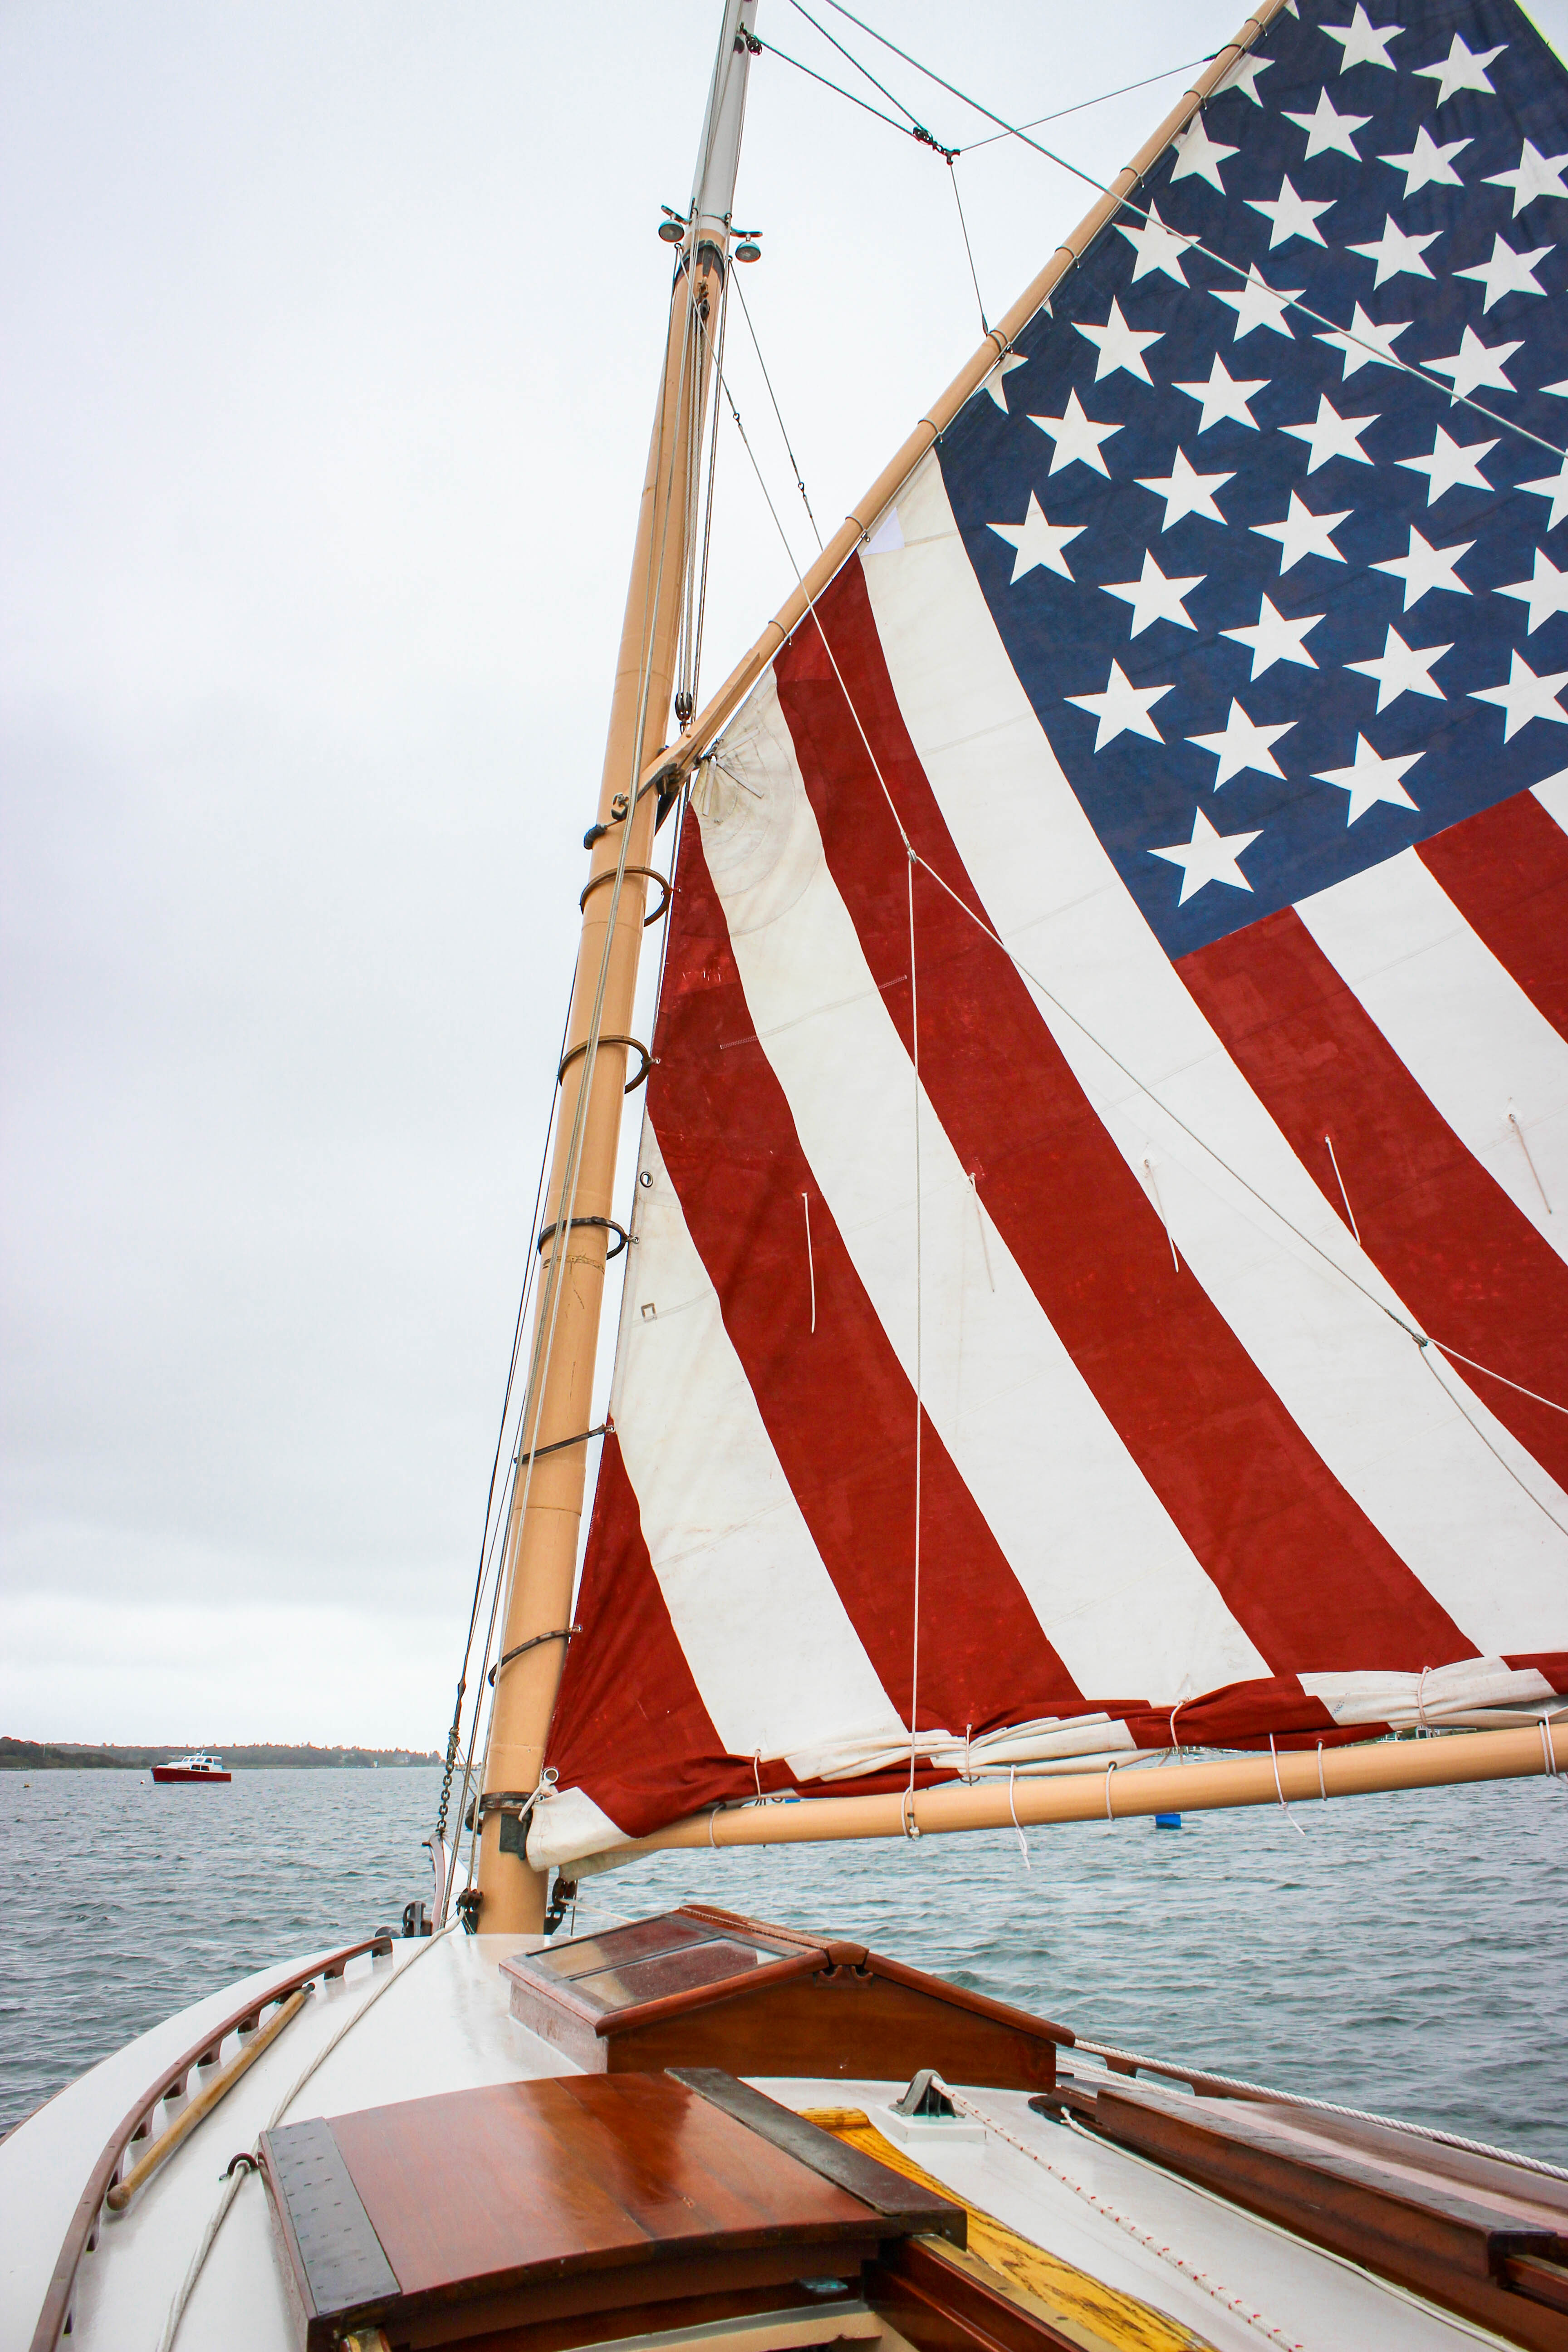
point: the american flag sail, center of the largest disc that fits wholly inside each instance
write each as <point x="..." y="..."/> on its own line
<point x="1116" y="1015"/>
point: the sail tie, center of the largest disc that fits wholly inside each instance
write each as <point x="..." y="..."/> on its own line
<point x="1549" y="1752"/>
<point x="1012" y="1809"/>
<point x="1278" y="1790"/>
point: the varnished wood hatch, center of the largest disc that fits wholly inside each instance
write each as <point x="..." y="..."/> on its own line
<point x="580" y="2209"/>
<point x="699" y="1987"/>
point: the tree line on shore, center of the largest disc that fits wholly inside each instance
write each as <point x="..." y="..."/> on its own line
<point x="74" y="1756"/>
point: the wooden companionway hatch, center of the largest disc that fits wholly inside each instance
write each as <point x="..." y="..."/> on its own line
<point x="574" y="2209"/>
<point x="699" y="1987"/>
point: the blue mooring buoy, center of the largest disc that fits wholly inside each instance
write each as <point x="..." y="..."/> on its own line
<point x="1167" y="1821"/>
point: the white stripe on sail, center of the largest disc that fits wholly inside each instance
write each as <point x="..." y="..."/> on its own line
<point x="1552" y="794"/>
<point x="1403" y="1700"/>
<point x="1111" y="1578"/>
<point x="1449" y="1501"/>
<point x="1492" y="1065"/>
<point x="769" y="1642"/>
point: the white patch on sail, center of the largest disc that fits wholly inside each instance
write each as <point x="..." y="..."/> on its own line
<point x="1404" y="1700"/>
<point x="1118" y="1592"/>
<point x="569" y="1826"/>
<point x="766" y="1634"/>
<point x="1552" y="794"/>
<point x="1461" y="1024"/>
<point x="1448" y="1487"/>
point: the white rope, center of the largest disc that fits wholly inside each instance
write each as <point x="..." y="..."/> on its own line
<point x="1321" y="1789"/>
<point x="1549" y="1752"/>
<point x="810" y="1261"/>
<point x="1109" y="1770"/>
<point x="1012" y="1808"/>
<point x="1279" y="1791"/>
<point x="232" y="2185"/>
<point x="1345" y="1196"/>
<point x="920" y="1243"/>
<point x="1221" y="2294"/>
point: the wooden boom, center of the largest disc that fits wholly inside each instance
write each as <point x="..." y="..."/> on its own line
<point x="1297" y="1777"/>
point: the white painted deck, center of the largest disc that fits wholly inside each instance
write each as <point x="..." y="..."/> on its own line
<point x="443" y="2024"/>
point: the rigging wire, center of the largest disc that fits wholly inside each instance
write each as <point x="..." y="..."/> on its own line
<point x="799" y="478"/>
<point x="917" y="128"/>
<point x="969" y="249"/>
<point x="1290" y="301"/>
<point x="486" y="1538"/>
<point x="837" y="89"/>
<point x="1083" y="104"/>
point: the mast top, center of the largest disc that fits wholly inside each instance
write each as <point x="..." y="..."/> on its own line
<point x="719" y="150"/>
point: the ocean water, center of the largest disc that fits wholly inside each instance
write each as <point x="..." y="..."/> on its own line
<point x="1409" y="1955"/>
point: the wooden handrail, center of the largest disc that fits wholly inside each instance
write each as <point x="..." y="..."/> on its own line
<point x="80" y="2236"/>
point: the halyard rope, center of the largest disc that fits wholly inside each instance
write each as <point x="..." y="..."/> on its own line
<point x="1221" y="2294"/>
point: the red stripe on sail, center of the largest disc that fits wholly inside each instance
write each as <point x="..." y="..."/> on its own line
<point x="630" y="1728"/>
<point x="836" y="1403"/>
<point x="1505" y="869"/>
<point x="1298" y="1563"/>
<point x="1469" y="1264"/>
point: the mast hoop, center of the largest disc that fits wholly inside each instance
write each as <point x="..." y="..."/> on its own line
<point x="637" y="1047"/>
<point x="606" y="1224"/>
<point x="506" y="1798"/>
<point x="649" y="874"/>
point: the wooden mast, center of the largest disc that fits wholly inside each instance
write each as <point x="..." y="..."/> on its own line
<point x="547" y="1495"/>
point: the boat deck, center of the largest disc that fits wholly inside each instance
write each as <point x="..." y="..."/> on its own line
<point x="434" y="2017"/>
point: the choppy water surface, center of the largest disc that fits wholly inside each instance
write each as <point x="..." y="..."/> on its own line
<point x="1409" y="1955"/>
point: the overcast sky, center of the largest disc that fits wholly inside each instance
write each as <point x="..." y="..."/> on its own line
<point x="332" y="335"/>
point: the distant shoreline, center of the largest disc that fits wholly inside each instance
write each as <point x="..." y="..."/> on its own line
<point x="73" y="1756"/>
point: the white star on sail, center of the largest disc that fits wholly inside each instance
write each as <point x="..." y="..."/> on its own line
<point x="1462" y="68"/>
<point x="1403" y="670"/>
<point x="1362" y="42"/>
<point x="1256" y="304"/>
<point x="1476" y="363"/>
<point x="1303" y="533"/>
<point x="1328" y="130"/>
<point x="1185" y="491"/>
<point x="996" y="382"/>
<point x="1076" y="437"/>
<point x="1525" y="697"/>
<point x="1425" y="567"/>
<point x="1273" y="638"/>
<point x="1370" y="779"/>
<point x="1330" y="435"/>
<point x="1243" y="75"/>
<point x="1154" y="597"/>
<point x="1544" y="593"/>
<point x="1157" y="247"/>
<point x="1555" y="488"/>
<point x="1395" y="253"/>
<point x="1242" y="743"/>
<point x="1363" y="344"/>
<point x="1122" y="709"/>
<point x="1224" y="396"/>
<point x="1537" y="175"/>
<point x="1427" y="164"/>
<point x="1506" y="272"/>
<point x="1198" y="154"/>
<point x="1209" y="856"/>
<point x="1290" y="216"/>
<point x="1038" y="544"/>
<point x="1452" y="465"/>
<point x="1120" y="345"/>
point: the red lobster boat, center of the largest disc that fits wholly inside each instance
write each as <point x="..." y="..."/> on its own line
<point x="191" y="1768"/>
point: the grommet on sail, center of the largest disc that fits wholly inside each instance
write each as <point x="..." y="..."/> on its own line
<point x="1130" y="908"/>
